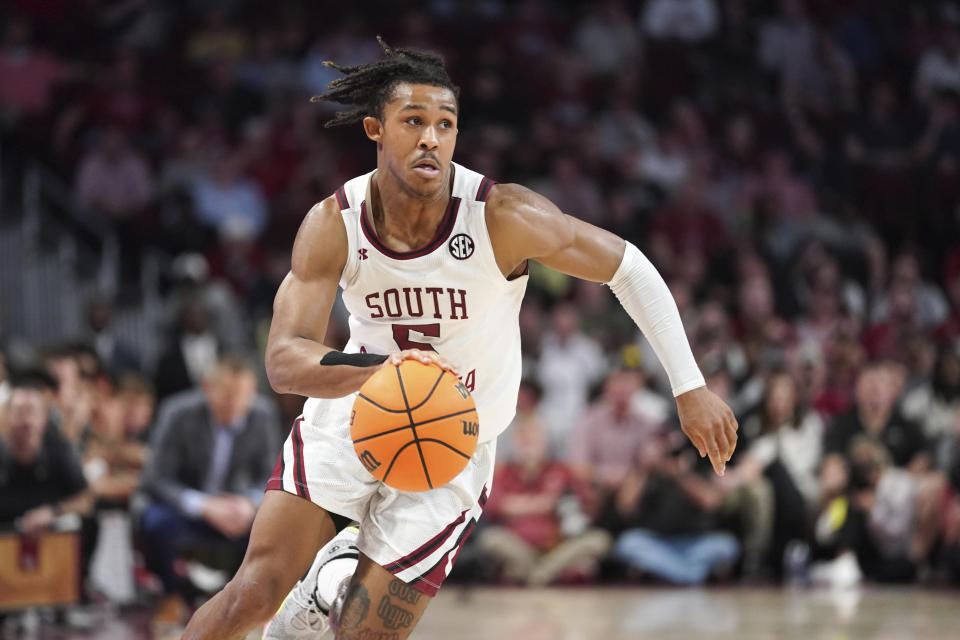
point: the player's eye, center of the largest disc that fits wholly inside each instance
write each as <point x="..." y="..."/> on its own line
<point x="446" y="124"/>
<point x="414" y="120"/>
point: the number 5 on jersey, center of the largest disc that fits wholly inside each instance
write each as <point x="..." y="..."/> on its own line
<point x="401" y="335"/>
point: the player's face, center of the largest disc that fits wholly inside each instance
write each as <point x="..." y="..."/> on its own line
<point x="418" y="134"/>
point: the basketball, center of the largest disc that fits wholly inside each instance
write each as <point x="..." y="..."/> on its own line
<point x="414" y="426"/>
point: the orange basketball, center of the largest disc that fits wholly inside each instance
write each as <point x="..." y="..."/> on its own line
<point x="414" y="426"/>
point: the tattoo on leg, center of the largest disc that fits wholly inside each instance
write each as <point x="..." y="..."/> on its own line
<point x="393" y="616"/>
<point x="400" y="589"/>
<point x="355" y="608"/>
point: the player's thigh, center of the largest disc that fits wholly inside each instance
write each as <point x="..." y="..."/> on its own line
<point x="286" y="534"/>
<point x="379" y="606"/>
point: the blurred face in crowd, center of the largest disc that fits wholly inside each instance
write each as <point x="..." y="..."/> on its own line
<point x="531" y="446"/>
<point x="27" y="414"/>
<point x="229" y="392"/>
<point x="876" y="390"/>
<point x="73" y="389"/>
<point x="781" y="399"/>
<point x="138" y="409"/>
<point x="619" y="390"/>
<point x="566" y="321"/>
<point x="415" y="137"/>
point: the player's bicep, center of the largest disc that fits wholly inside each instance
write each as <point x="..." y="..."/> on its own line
<point x="528" y="226"/>
<point x="305" y="298"/>
<point x="302" y="308"/>
<point x="592" y="254"/>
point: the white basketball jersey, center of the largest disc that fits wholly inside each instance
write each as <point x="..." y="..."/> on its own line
<point x="448" y="295"/>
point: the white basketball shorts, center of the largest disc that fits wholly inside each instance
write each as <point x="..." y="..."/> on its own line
<point x="416" y="536"/>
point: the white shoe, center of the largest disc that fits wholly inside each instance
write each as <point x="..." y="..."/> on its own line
<point x="841" y="573"/>
<point x="303" y="614"/>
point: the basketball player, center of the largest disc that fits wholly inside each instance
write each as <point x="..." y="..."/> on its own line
<point x="432" y="259"/>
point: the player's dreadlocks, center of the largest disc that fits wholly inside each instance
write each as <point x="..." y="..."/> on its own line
<point x="368" y="87"/>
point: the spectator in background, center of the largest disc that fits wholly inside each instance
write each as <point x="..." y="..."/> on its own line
<point x="605" y="40"/>
<point x="939" y="66"/>
<point x="784" y="445"/>
<point x="113" y="352"/>
<point x="225" y="199"/>
<point x="113" y="457"/>
<point x="603" y="445"/>
<point x="210" y="457"/>
<point x="74" y="396"/>
<point x="893" y="522"/>
<point x="691" y="21"/>
<point x="666" y="510"/>
<point x="114" y="186"/>
<point x="570" y="364"/>
<point x="41" y="477"/>
<point x="874" y="416"/>
<point x="536" y="532"/>
<point x="191" y="350"/>
<point x="28" y="74"/>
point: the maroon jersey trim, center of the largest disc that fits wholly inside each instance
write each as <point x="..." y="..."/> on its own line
<point x="484" y="189"/>
<point x="443" y="232"/>
<point x="342" y="198"/>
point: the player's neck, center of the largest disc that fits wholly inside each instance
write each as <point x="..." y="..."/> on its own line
<point x="399" y="213"/>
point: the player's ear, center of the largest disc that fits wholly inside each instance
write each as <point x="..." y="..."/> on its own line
<point x="373" y="128"/>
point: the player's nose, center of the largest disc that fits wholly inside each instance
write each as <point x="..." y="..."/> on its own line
<point x="428" y="138"/>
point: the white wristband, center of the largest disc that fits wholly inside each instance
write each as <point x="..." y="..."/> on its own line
<point x="645" y="296"/>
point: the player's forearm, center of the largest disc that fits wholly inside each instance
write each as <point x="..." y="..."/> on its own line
<point x="294" y="366"/>
<point x="645" y="296"/>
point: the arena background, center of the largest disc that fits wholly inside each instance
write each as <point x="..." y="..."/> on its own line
<point x="790" y="167"/>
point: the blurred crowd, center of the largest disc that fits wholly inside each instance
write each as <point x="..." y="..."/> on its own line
<point x="790" y="167"/>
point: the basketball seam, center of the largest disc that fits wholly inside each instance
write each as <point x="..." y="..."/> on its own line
<point x="415" y="424"/>
<point x="416" y="439"/>
<point x="423" y="402"/>
<point x="430" y="393"/>
<point x="448" y="446"/>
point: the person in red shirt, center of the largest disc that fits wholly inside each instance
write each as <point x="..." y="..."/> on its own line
<point x="538" y="530"/>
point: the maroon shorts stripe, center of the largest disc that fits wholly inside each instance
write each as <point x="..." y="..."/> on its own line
<point x="299" y="472"/>
<point x="276" y="477"/>
<point x="342" y="198"/>
<point x="484" y="189"/>
<point x="435" y="542"/>
<point x="426" y="549"/>
<point x="429" y="583"/>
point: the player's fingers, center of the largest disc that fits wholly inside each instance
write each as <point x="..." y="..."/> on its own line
<point x="732" y="438"/>
<point x="716" y="458"/>
<point x="696" y="440"/>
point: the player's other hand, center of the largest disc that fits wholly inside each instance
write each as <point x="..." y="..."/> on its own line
<point x="710" y="425"/>
<point x="426" y="357"/>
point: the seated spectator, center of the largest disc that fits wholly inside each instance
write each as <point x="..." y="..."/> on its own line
<point x="604" y="444"/>
<point x="189" y="352"/>
<point x="784" y="450"/>
<point x="875" y="416"/>
<point x="668" y="510"/>
<point x="570" y="364"/>
<point x="113" y="457"/>
<point x="210" y="458"/>
<point x="74" y="397"/>
<point x="537" y="529"/>
<point x="893" y="520"/>
<point x="41" y="477"/>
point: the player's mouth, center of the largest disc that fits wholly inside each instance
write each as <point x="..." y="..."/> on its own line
<point x="427" y="168"/>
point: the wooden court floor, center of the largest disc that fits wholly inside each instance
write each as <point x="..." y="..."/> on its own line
<point x="460" y="613"/>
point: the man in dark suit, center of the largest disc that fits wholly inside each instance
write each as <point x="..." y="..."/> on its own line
<point x="212" y="451"/>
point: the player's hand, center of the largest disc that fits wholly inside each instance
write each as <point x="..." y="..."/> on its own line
<point x="426" y="357"/>
<point x="710" y="425"/>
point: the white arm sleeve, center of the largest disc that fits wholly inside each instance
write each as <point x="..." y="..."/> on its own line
<point x="645" y="296"/>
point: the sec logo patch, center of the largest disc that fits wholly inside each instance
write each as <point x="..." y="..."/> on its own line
<point x="461" y="246"/>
